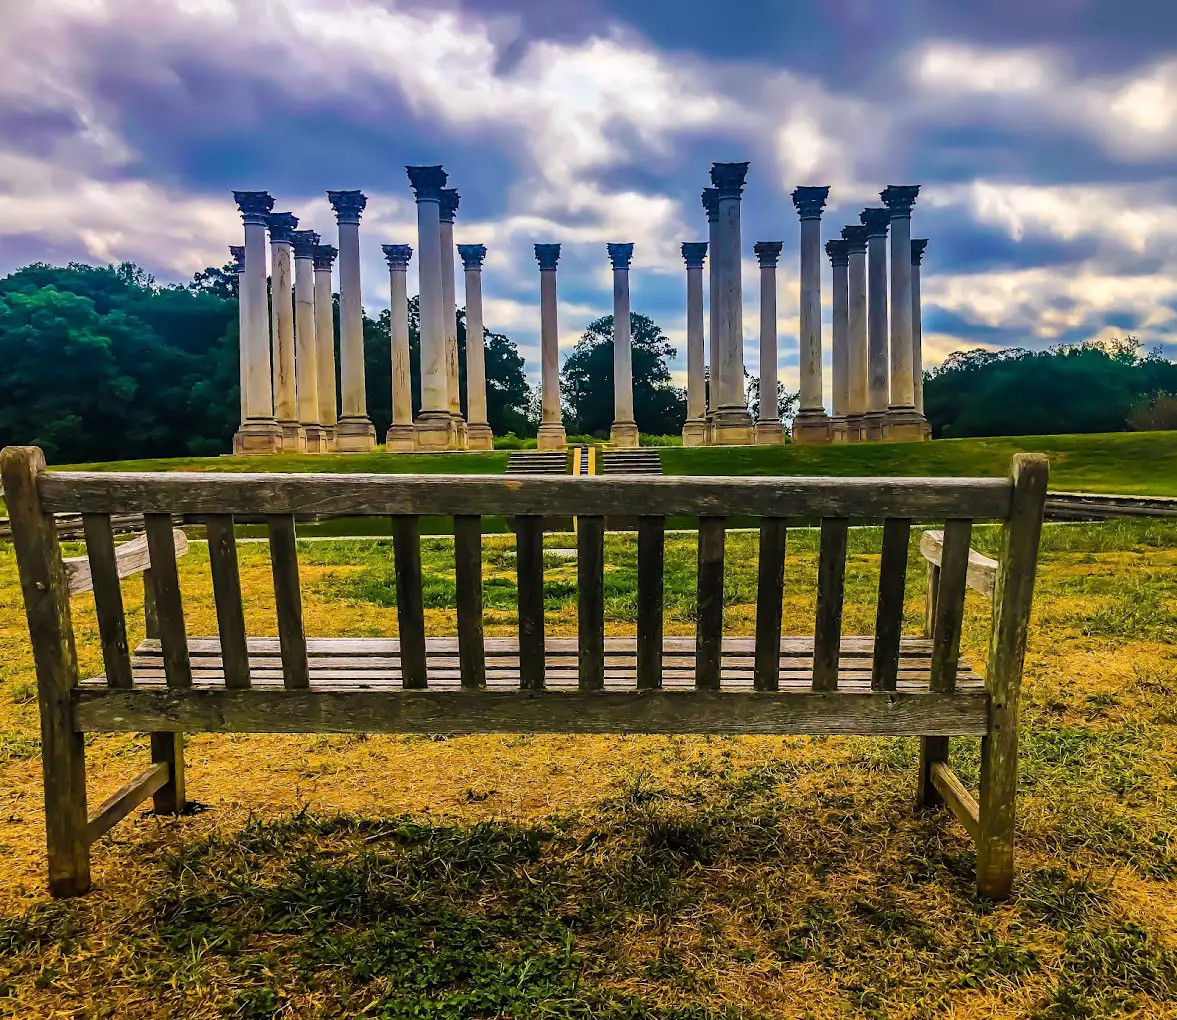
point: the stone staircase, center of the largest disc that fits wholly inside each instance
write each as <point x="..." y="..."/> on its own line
<point x="637" y="461"/>
<point x="531" y="462"/>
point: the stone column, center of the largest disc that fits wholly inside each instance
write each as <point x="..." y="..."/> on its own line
<point x="237" y="253"/>
<point x="694" y="432"/>
<point x="904" y="423"/>
<point x="282" y="225"/>
<point x="732" y="422"/>
<point x="624" y="431"/>
<point x="858" y="400"/>
<point x="876" y="222"/>
<point x="306" y="343"/>
<point x="839" y="347"/>
<point x="353" y="432"/>
<point x="400" y="437"/>
<point x="478" y="433"/>
<point x="325" y="341"/>
<point x="811" y="425"/>
<point x="447" y="209"/>
<point x="551" y="429"/>
<point x="434" y="427"/>
<point x="259" y="432"/>
<point x="714" y="342"/>
<point x="769" y="430"/>
<point x="917" y="326"/>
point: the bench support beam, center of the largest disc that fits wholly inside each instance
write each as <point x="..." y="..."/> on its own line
<point x="953" y="792"/>
<point x="121" y="803"/>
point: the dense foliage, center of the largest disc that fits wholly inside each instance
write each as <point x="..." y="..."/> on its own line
<point x="1090" y="387"/>
<point x="586" y="381"/>
<point x="102" y="363"/>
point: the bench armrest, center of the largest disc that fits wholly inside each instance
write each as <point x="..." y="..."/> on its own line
<point x="130" y="558"/>
<point x="982" y="575"/>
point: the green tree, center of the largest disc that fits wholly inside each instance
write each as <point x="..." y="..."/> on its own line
<point x="586" y="380"/>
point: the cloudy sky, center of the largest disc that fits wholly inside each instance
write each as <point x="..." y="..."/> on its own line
<point x="1043" y="132"/>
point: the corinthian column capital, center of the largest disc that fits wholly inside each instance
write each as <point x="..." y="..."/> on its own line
<point x="347" y="205"/>
<point x="427" y="182"/>
<point x="710" y="199"/>
<point x="325" y="256"/>
<point x="620" y="255"/>
<point x="472" y="255"/>
<point x="255" y="206"/>
<point x="899" y="198"/>
<point x="876" y="221"/>
<point x="855" y="237"/>
<point x="237" y="254"/>
<point x="448" y="208"/>
<point x="728" y="178"/>
<point x="768" y="252"/>
<point x="397" y="255"/>
<point x="547" y="255"/>
<point x="305" y="242"/>
<point x="839" y="253"/>
<point x="810" y="201"/>
<point x="918" y="244"/>
<point x="693" y="253"/>
<point x="282" y="225"/>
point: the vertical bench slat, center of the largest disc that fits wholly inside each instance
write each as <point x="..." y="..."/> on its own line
<point x="954" y="567"/>
<point x="108" y="599"/>
<point x="529" y="567"/>
<point x="410" y="608"/>
<point x="222" y="559"/>
<point x="468" y="579"/>
<point x="169" y="606"/>
<point x="889" y="613"/>
<point x="590" y="606"/>
<point x="292" y="640"/>
<point x="831" y="580"/>
<point x="770" y="591"/>
<point x="709" y="626"/>
<point x="651" y="568"/>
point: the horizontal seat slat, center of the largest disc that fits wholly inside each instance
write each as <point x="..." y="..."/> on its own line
<point x="358" y="494"/>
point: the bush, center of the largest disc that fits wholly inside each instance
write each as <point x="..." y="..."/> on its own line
<point x="1157" y="413"/>
<point x="513" y="442"/>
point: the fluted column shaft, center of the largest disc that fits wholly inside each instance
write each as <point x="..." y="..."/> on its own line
<point x="694" y="253"/>
<point x="354" y="432"/>
<point x="434" y="425"/>
<point x="446" y="211"/>
<point x="840" y="348"/>
<point x="624" y="431"/>
<point x="856" y="329"/>
<point x="768" y="421"/>
<point x="551" y="429"/>
<point x="238" y="254"/>
<point x="811" y="425"/>
<point x="714" y="318"/>
<point x="282" y="326"/>
<point x="325" y="340"/>
<point x="876" y="221"/>
<point x="731" y="424"/>
<point x="899" y="200"/>
<point x="307" y="387"/>
<point x="917" y="322"/>
<point x="480" y="436"/>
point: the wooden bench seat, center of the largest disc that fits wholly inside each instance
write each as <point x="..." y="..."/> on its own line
<point x="884" y="683"/>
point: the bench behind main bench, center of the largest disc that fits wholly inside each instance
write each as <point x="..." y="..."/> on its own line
<point x="881" y="684"/>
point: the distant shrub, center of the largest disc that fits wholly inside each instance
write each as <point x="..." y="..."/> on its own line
<point x="513" y="442"/>
<point x="645" y="440"/>
<point x="1155" y="413"/>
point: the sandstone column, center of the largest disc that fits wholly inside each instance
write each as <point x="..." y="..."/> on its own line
<point x="769" y="430"/>
<point x="858" y="402"/>
<point x="839" y="349"/>
<point x="551" y="429"/>
<point x="732" y="422"/>
<point x="714" y="341"/>
<point x="259" y="432"/>
<point x="917" y="325"/>
<point x="281" y="226"/>
<point x="624" y="431"/>
<point x="237" y="253"/>
<point x="447" y="209"/>
<point x="811" y="425"/>
<point x="876" y="222"/>
<point x="434" y="427"/>
<point x="306" y="343"/>
<point x="400" y="437"/>
<point x="694" y="432"/>
<point x="903" y="420"/>
<point x="479" y="435"/>
<point x="325" y="341"/>
<point x="353" y="432"/>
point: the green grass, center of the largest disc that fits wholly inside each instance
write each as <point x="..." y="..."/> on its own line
<point x="457" y="463"/>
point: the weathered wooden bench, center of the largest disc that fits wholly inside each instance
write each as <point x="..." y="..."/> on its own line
<point x="885" y="683"/>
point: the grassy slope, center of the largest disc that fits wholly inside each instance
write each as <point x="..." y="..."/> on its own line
<point x="493" y="463"/>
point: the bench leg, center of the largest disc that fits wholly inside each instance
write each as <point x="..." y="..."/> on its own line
<point x="995" y="839"/>
<point x="169" y="799"/>
<point x="932" y="749"/>
<point x="63" y="761"/>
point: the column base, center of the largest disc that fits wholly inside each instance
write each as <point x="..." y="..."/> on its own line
<point x="294" y="437"/>
<point x="769" y="433"/>
<point x="434" y="430"/>
<point x="839" y="430"/>
<point x="854" y="428"/>
<point x="257" y="437"/>
<point x="552" y="437"/>
<point x="904" y="425"/>
<point x="873" y="425"/>
<point x="461" y="433"/>
<point x="316" y="439"/>
<point x="329" y="435"/>
<point x="479" y="437"/>
<point x="811" y="428"/>
<point x="355" y="435"/>
<point x="694" y="433"/>
<point x="624" y="435"/>
<point x="732" y="427"/>
<point x="400" y="439"/>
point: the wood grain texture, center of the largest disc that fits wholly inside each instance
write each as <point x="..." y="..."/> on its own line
<point x="108" y="598"/>
<point x="514" y="495"/>
<point x="123" y="801"/>
<point x="709" y="618"/>
<point x="889" y="610"/>
<point x="288" y="600"/>
<point x="222" y="557"/>
<point x="131" y="557"/>
<point x="468" y="583"/>
<point x="590" y="601"/>
<point x="513" y="711"/>
<point x="410" y="606"/>
<point x="169" y="605"/>
<point x="770" y="590"/>
<point x="651" y="595"/>
<point x="831" y="581"/>
<point x="953" y="793"/>
<point x="529" y="565"/>
<point x="950" y="604"/>
<point x="982" y="574"/>
<point x="1012" y="600"/>
<point x="167" y="748"/>
<point x="46" y="597"/>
